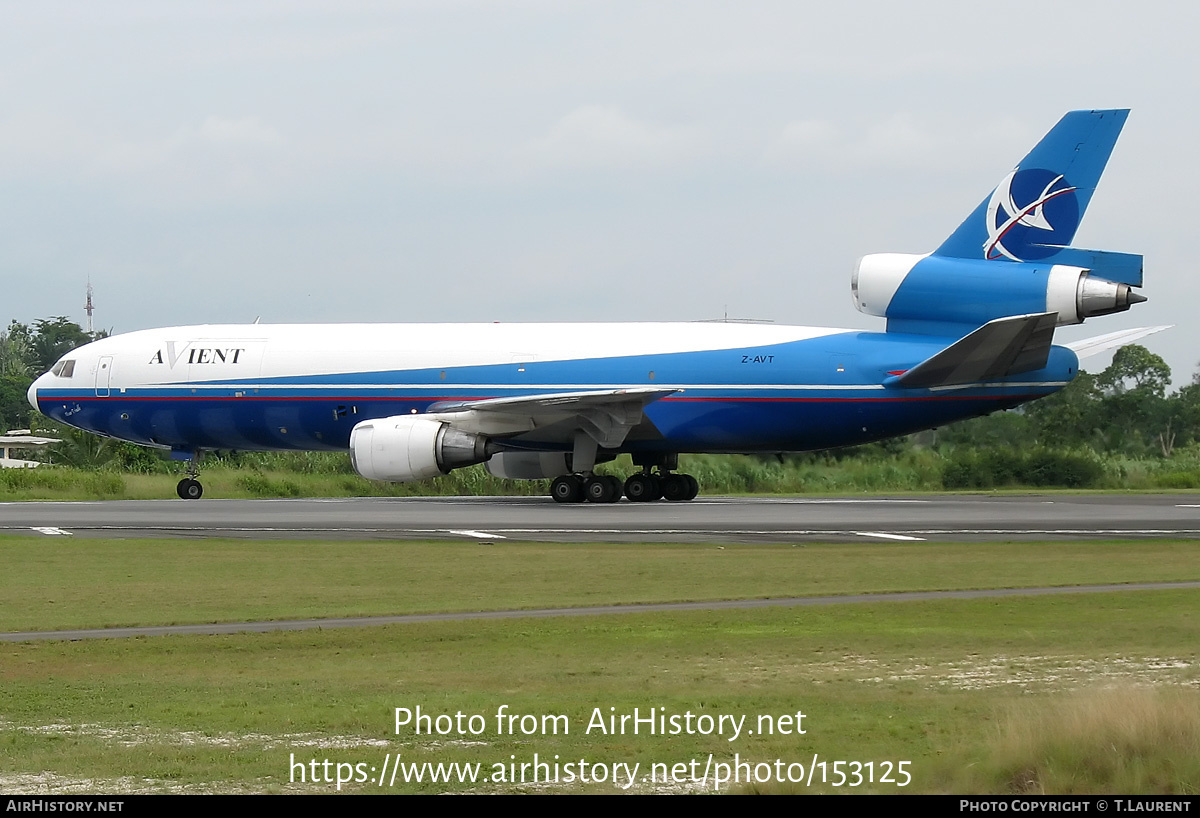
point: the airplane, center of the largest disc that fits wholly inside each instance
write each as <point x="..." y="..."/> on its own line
<point x="969" y="331"/>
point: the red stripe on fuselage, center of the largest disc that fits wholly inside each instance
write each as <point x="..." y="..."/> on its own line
<point x="409" y="399"/>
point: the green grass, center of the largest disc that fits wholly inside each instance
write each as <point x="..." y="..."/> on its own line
<point x="1072" y="693"/>
<point x="328" y="475"/>
<point x="56" y="583"/>
<point x="325" y="474"/>
<point x="65" y="483"/>
<point x="933" y="683"/>
<point x="45" y="483"/>
<point x="883" y="467"/>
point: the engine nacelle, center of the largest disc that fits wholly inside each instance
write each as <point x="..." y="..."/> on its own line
<point x="529" y="465"/>
<point x="912" y="288"/>
<point x="404" y="448"/>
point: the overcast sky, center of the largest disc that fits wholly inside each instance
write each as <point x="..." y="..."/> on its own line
<point x="209" y="162"/>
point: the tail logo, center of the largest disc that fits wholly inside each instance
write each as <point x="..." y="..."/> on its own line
<point x="1044" y="223"/>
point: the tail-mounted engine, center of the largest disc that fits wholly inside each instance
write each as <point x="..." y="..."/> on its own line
<point x="912" y="289"/>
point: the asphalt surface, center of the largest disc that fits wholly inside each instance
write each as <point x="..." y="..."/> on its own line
<point x="959" y="518"/>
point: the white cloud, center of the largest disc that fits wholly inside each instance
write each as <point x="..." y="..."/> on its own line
<point x="604" y="136"/>
<point x="803" y="142"/>
<point x="896" y="141"/>
<point x="247" y="131"/>
<point x="47" y="143"/>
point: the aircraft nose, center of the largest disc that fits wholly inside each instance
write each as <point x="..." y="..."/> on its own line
<point x="31" y="395"/>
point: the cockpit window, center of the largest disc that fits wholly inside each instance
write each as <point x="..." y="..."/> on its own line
<point x="63" y="369"/>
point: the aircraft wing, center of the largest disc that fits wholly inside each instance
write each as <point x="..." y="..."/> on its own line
<point x="1113" y="340"/>
<point x="1005" y="346"/>
<point x="607" y="415"/>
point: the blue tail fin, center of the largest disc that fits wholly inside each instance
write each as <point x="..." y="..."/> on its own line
<point x="1033" y="213"/>
<point x="1012" y="256"/>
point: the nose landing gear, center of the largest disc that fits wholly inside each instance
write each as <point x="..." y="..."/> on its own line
<point x="189" y="488"/>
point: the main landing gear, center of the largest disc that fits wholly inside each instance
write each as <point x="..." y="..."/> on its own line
<point x="189" y="488"/>
<point x="644" y="487"/>
<point x="639" y="488"/>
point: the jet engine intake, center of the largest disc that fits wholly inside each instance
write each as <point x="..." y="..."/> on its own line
<point x="405" y="448"/>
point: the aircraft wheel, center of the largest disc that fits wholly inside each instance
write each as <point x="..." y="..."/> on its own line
<point x="676" y="487"/>
<point x="189" y="489"/>
<point x="643" y="488"/>
<point x="567" y="488"/>
<point x="693" y="487"/>
<point x="601" y="489"/>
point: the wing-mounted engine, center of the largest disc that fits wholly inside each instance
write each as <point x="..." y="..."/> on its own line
<point x="413" y="447"/>
<point x="462" y="433"/>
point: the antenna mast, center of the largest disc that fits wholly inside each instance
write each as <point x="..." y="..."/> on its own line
<point x="88" y="306"/>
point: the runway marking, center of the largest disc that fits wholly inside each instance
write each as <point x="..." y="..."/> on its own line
<point x="829" y="501"/>
<point x="50" y="531"/>
<point x="481" y="535"/>
<point x="707" y="501"/>
<point x="884" y="536"/>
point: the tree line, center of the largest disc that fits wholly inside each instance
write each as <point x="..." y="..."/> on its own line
<point x="1123" y="410"/>
<point x="28" y="350"/>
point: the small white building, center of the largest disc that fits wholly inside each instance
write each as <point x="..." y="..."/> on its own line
<point x="15" y="439"/>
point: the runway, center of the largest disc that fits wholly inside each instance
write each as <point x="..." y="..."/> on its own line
<point x="958" y="518"/>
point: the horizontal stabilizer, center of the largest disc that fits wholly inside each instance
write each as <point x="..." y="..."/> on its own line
<point x="1005" y="346"/>
<point x="1124" y="268"/>
<point x="1113" y="340"/>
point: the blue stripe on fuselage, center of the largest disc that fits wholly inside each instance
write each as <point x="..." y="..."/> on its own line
<point x="814" y="393"/>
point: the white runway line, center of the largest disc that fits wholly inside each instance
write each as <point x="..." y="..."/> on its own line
<point x="479" y="535"/>
<point x="883" y="536"/>
<point x="50" y="531"/>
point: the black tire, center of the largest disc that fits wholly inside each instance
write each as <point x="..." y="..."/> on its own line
<point x="639" y="489"/>
<point x="189" y="489"/>
<point x="615" y="483"/>
<point x="676" y="487"/>
<point x="643" y="488"/>
<point x="693" y="487"/>
<point x="599" y="489"/>
<point x="567" y="489"/>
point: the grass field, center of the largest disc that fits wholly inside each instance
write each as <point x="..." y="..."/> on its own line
<point x="328" y="474"/>
<point x="1094" y="693"/>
